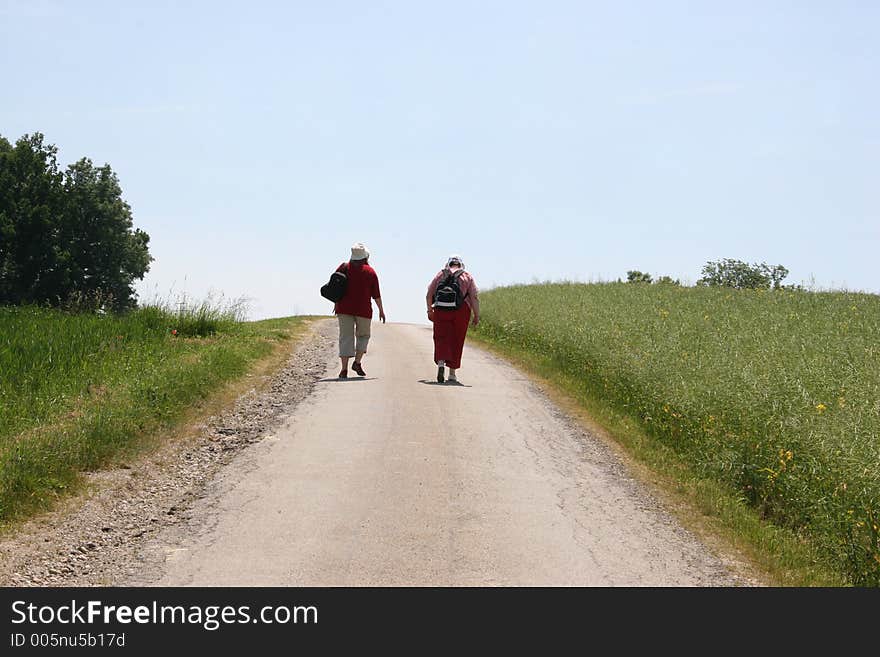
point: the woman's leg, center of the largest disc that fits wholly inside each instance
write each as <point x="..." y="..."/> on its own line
<point x="362" y="333"/>
<point x="346" y="340"/>
<point x="443" y="329"/>
<point x="461" y="319"/>
<point x="443" y="335"/>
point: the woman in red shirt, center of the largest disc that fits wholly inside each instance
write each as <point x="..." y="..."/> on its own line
<point x="451" y="325"/>
<point x="354" y="310"/>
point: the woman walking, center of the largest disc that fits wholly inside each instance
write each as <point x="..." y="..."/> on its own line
<point x="453" y="302"/>
<point x="354" y="310"/>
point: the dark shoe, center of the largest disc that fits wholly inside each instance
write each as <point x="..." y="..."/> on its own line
<point x="343" y="374"/>
<point x="360" y="370"/>
<point x="440" y="374"/>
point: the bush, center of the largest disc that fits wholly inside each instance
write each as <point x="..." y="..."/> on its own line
<point x="742" y="276"/>
<point x="635" y="276"/>
<point x="667" y="280"/>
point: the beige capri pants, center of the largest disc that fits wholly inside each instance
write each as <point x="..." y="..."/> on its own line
<point x="352" y="327"/>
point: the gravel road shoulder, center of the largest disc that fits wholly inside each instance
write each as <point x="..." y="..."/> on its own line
<point x="97" y="538"/>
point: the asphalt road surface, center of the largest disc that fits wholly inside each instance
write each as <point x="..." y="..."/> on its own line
<point x="397" y="480"/>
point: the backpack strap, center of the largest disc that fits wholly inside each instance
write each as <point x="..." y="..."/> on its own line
<point x="455" y="276"/>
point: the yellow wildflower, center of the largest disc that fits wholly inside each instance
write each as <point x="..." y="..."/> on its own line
<point x="821" y="407"/>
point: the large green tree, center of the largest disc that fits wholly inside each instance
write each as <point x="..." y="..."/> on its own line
<point x="30" y="208"/>
<point x="65" y="237"/>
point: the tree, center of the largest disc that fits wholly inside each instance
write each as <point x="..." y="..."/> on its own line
<point x="741" y="275"/>
<point x="30" y="205"/>
<point x="635" y="276"/>
<point x="667" y="280"/>
<point x="65" y="236"/>
<point x="102" y="254"/>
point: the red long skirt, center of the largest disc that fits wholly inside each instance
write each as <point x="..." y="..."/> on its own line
<point x="450" y="330"/>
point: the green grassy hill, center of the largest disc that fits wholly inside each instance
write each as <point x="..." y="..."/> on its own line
<point x="773" y="394"/>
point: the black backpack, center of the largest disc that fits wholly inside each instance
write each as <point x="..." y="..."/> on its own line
<point x="448" y="296"/>
<point x="335" y="288"/>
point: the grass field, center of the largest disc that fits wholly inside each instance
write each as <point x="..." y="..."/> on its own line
<point x="77" y="390"/>
<point x="774" y="395"/>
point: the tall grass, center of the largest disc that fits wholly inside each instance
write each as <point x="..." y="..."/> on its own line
<point x="199" y="318"/>
<point x="775" y="394"/>
<point x="76" y="389"/>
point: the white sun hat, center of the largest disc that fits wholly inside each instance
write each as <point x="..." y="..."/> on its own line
<point x="359" y="251"/>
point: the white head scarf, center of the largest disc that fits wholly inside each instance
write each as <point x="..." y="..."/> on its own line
<point x="454" y="258"/>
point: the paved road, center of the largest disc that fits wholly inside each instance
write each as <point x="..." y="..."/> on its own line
<point x="396" y="480"/>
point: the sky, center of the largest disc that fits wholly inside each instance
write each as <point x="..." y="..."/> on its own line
<point x="541" y="141"/>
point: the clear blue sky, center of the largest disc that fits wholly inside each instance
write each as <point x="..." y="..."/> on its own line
<point x="541" y="140"/>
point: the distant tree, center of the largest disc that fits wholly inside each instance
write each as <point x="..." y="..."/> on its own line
<point x="667" y="280"/>
<point x="741" y="275"/>
<point x="776" y="274"/>
<point x="635" y="276"/>
<point x="67" y="236"/>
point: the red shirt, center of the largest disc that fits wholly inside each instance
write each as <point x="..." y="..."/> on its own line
<point x="363" y="285"/>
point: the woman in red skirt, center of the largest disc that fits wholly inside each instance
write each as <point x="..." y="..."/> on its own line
<point x="453" y="302"/>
